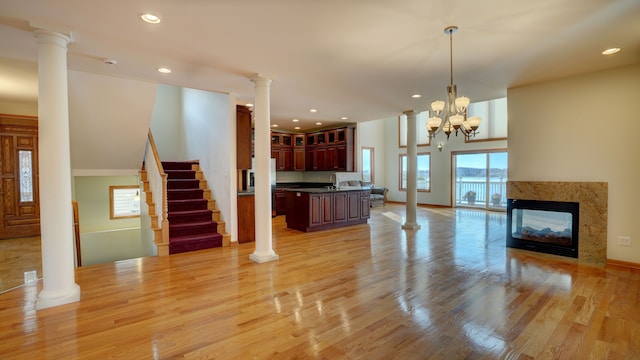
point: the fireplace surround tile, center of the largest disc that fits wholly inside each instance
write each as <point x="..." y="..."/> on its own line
<point x="593" y="199"/>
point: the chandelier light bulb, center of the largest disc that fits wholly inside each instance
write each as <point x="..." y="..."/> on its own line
<point x="474" y="122"/>
<point x="462" y="103"/>
<point x="437" y="106"/>
<point x="433" y="123"/>
<point x="456" y="121"/>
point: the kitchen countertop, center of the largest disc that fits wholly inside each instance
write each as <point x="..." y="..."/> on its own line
<point x="326" y="190"/>
<point x="301" y="185"/>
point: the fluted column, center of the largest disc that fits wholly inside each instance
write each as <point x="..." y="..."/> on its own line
<point x="412" y="169"/>
<point x="262" y="166"/>
<point x="56" y="214"/>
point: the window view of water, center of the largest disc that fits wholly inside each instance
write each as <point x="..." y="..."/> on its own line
<point x="481" y="179"/>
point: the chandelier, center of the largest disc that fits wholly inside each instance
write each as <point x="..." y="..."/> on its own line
<point x="452" y="115"/>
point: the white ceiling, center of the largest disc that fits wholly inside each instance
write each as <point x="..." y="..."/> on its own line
<point x="357" y="58"/>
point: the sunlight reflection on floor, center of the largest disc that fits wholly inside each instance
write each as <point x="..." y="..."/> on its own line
<point x="393" y="216"/>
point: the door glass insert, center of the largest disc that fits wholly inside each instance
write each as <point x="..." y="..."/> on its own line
<point x="26" y="175"/>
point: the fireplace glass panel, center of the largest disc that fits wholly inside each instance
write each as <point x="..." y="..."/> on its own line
<point x="544" y="226"/>
<point x="550" y="227"/>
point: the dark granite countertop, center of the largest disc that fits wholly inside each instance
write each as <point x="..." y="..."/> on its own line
<point x="326" y="189"/>
<point x="302" y="185"/>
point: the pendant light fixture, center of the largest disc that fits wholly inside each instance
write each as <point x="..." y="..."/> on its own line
<point x="451" y="115"/>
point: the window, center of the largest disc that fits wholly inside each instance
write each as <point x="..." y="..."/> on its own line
<point x="423" y="172"/>
<point x="124" y="202"/>
<point x="481" y="179"/>
<point x="421" y="129"/>
<point x="367" y="164"/>
<point x="26" y="175"/>
<point x="494" y="119"/>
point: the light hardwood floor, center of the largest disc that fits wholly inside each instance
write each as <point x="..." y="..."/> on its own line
<point x="448" y="291"/>
<point x="16" y="257"/>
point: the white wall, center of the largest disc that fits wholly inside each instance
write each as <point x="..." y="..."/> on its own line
<point x="166" y="124"/>
<point x="583" y="128"/>
<point x="372" y="134"/>
<point x="210" y="136"/>
<point x="12" y="107"/>
<point x="112" y="245"/>
<point x="109" y="120"/>
<point x="92" y="195"/>
<point x="103" y="239"/>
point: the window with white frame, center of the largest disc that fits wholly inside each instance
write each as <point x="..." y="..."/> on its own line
<point x="422" y="136"/>
<point x="423" y="172"/>
<point x="124" y="202"/>
<point x="494" y="119"/>
<point x="368" y="173"/>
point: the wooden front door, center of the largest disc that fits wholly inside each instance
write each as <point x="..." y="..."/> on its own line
<point x="19" y="200"/>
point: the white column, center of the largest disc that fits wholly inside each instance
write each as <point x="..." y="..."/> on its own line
<point x="56" y="214"/>
<point x="262" y="118"/>
<point x="412" y="170"/>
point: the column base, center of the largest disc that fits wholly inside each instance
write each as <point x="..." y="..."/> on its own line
<point x="263" y="258"/>
<point x="47" y="298"/>
<point x="411" y="226"/>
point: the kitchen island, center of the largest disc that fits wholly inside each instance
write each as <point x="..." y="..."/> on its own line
<point x="316" y="209"/>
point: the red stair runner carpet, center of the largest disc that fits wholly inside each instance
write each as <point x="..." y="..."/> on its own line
<point x="191" y="226"/>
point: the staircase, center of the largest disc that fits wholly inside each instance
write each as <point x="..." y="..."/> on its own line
<point x="194" y="223"/>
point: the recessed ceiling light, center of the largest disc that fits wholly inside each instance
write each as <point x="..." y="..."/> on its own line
<point x="164" y="70"/>
<point x="313" y="110"/>
<point x="150" y="18"/>
<point x="295" y="120"/>
<point x="344" y="118"/>
<point x="611" y="51"/>
<point x="416" y="96"/>
<point x="297" y="128"/>
<point x="318" y="123"/>
<point x="249" y="105"/>
<point x="274" y="125"/>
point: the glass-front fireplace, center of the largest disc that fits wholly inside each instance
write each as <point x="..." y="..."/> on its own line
<point x="544" y="226"/>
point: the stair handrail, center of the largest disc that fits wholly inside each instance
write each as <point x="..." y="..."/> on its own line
<point x="76" y="230"/>
<point x="158" y="183"/>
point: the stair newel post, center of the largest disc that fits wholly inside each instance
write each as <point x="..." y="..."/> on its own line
<point x="165" y="211"/>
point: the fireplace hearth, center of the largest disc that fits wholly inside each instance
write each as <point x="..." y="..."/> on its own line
<point x="543" y="226"/>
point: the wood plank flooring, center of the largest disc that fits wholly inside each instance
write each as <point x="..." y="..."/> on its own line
<point x="16" y="257"/>
<point x="448" y="291"/>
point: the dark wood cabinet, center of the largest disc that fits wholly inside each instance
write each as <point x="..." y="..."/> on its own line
<point x="282" y="150"/>
<point x="340" y="207"/>
<point x="336" y="153"/>
<point x="313" y="210"/>
<point x="311" y="139"/>
<point x="284" y="158"/>
<point x="281" y="202"/>
<point x="365" y="204"/>
<point x="353" y="206"/>
<point x="243" y="137"/>
<point x="327" y="150"/>
<point x="332" y="158"/>
<point x="246" y="218"/>
<point x="299" y="156"/>
<point x="281" y="139"/>
<point x="341" y="135"/>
